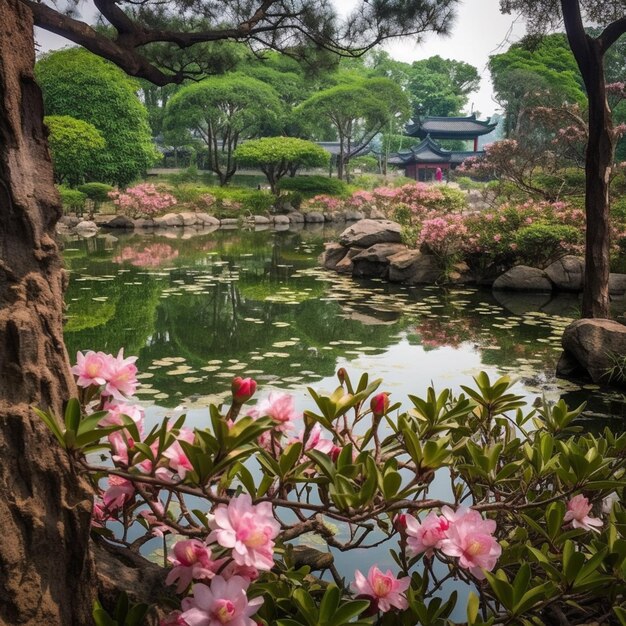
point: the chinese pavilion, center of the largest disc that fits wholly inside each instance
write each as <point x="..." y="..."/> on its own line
<point x="422" y="160"/>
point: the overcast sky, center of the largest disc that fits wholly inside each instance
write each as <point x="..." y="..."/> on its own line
<point x="480" y="30"/>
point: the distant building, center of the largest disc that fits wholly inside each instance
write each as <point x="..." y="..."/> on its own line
<point x="422" y="160"/>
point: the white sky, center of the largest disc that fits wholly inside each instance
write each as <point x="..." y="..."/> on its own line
<point x="479" y="31"/>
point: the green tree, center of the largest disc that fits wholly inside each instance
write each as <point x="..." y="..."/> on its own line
<point x="441" y="87"/>
<point x="77" y="83"/>
<point x="278" y="156"/>
<point x="589" y="52"/>
<point x="223" y="111"/>
<point x="358" y="111"/>
<point x="533" y="73"/>
<point x="75" y="146"/>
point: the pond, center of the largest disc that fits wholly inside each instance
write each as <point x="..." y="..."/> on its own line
<point x="201" y="308"/>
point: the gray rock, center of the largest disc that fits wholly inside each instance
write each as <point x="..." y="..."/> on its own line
<point x="295" y="217"/>
<point x="314" y="217"/>
<point x="102" y="219"/>
<point x="188" y="218"/>
<point x="281" y="219"/>
<point x="143" y="223"/>
<point x="366" y="233"/>
<point x="86" y="228"/>
<point x="594" y="344"/>
<point x="335" y="216"/>
<point x="345" y="266"/>
<point x="207" y="220"/>
<point x="352" y="215"/>
<point x="377" y="214"/>
<point x="70" y="220"/>
<point x="567" y="274"/>
<point x="332" y="254"/>
<point x="413" y="267"/>
<point x="229" y="221"/>
<point x="523" y="278"/>
<point x="260" y="219"/>
<point x="617" y="284"/>
<point x="169" y="220"/>
<point x="374" y="261"/>
<point x="121" y="221"/>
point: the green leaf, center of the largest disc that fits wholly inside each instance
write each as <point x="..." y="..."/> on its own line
<point x="72" y="415"/>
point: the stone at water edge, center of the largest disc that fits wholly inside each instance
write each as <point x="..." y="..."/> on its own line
<point x="295" y="217"/>
<point x="86" y="228"/>
<point x="523" y="278"/>
<point x="188" y="218"/>
<point x="345" y="266"/>
<point x="314" y="217"/>
<point x="594" y="345"/>
<point x="366" y="233"/>
<point x="122" y="222"/>
<point x="332" y="254"/>
<point x="281" y="219"/>
<point x="414" y="268"/>
<point x="207" y="220"/>
<point x="169" y="220"/>
<point x="353" y="215"/>
<point x="567" y="274"/>
<point x="374" y="261"/>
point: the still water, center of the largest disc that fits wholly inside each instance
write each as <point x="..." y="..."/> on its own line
<point x="201" y="308"/>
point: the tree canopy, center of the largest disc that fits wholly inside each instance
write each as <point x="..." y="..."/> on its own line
<point x="77" y="83"/>
<point x="75" y="146"/>
<point x="222" y="111"/>
<point x="278" y="156"/>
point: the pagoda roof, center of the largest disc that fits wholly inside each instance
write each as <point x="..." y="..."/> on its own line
<point x="429" y="151"/>
<point x="450" y="127"/>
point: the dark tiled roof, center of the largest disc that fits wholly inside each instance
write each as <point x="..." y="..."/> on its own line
<point x="429" y="151"/>
<point x="450" y="127"/>
<point x="334" y="148"/>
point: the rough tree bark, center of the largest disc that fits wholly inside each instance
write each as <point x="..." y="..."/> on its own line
<point x="46" y="574"/>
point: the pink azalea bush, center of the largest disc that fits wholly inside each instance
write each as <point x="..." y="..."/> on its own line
<point x="233" y="558"/>
<point x="145" y="200"/>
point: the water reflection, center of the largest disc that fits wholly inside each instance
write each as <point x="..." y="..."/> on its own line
<point x="201" y="309"/>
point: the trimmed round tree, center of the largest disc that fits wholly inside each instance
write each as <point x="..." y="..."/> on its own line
<point x="278" y="156"/>
<point x="75" y="145"/>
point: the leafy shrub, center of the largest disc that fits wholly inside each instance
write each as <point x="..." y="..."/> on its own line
<point x="367" y="164"/>
<point x="371" y="181"/>
<point x="453" y="199"/>
<point x="540" y="244"/>
<point x="618" y="209"/>
<point x="72" y="199"/>
<point x="310" y="186"/>
<point x="465" y="182"/>
<point x="188" y="175"/>
<point x="98" y="192"/>
<point x="142" y="200"/>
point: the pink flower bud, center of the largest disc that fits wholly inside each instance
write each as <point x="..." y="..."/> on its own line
<point x="380" y="404"/>
<point x="399" y="522"/>
<point x="243" y="389"/>
<point x="334" y="453"/>
<point x="341" y="375"/>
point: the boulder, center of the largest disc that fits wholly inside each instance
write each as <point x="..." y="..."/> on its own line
<point x="188" y="218"/>
<point x="229" y="223"/>
<point x="102" y="219"/>
<point x="377" y="214"/>
<point x="169" y="220"/>
<point x="86" y="228"/>
<point x="366" y="233"/>
<point x="593" y="345"/>
<point x="207" y="220"/>
<point x="374" y="261"/>
<point x="281" y="219"/>
<point x="70" y="220"/>
<point x="333" y="253"/>
<point x="143" y="223"/>
<point x="295" y="217"/>
<point x="335" y="216"/>
<point x="259" y="220"/>
<point x="314" y="217"/>
<point x="567" y="274"/>
<point x="345" y="266"/>
<point x="351" y="215"/>
<point x="122" y="222"/>
<point x="413" y="267"/>
<point x="617" y="284"/>
<point x="523" y="278"/>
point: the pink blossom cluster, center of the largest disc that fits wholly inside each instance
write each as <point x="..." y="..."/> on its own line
<point x="461" y="534"/>
<point x="143" y="199"/>
<point x="325" y="203"/>
<point x="443" y="234"/>
<point x="153" y="255"/>
<point x="578" y="509"/>
<point x="384" y="590"/>
<point x="118" y="375"/>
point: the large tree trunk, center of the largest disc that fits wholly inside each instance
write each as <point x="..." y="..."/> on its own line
<point x="46" y="574"/>
<point x="598" y="164"/>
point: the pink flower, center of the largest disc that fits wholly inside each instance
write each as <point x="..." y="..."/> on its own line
<point x="248" y="529"/>
<point x="379" y="404"/>
<point x="117" y="409"/>
<point x="120" y="491"/>
<point x="178" y="461"/>
<point x="192" y="561"/>
<point x="470" y="538"/>
<point x="91" y="368"/>
<point x="578" y="509"/>
<point x="175" y="618"/>
<point x="315" y="440"/>
<point x="243" y="389"/>
<point x="426" y="536"/>
<point x="280" y="407"/>
<point x="223" y="602"/>
<point x="121" y="376"/>
<point x="385" y="590"/>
